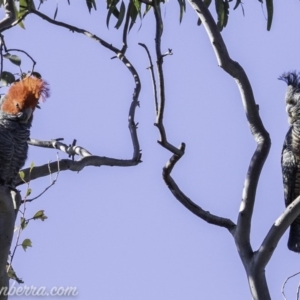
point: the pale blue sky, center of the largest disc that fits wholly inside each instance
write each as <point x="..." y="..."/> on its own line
<point x="118" y="233"/>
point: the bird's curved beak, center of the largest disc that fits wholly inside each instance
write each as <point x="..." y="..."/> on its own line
<point x="25" y="115"/>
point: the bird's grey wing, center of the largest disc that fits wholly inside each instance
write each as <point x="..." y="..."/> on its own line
<point x="289" y="172"/>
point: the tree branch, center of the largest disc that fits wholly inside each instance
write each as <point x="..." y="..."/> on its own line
<point x="187" y="202"/>
<point x="88" y="158"/>
<point x="76" y="166"/>
<point x="258" y="131"/>
<point x="10" y="15"/>
<point x="152" y="77"/>
<point x="265" y="251"/>
<point x="256" y="275"/>
<point x="9" y="204"/>
<point x="56" y="144"/>
<point x="162" y="98"/>
<point x="177" y="152"/>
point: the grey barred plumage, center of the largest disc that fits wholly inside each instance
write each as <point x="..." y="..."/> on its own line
<point x="13" y="147"/>
<point x="16" y="114"/>
<point x="290" y="159"/>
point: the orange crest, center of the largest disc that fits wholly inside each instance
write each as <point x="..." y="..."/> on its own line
<point x="25" y="94"/>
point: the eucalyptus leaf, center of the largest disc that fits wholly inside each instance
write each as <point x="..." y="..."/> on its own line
<point x="55" y="13"/>
<point x="13" y="58"/>
<point x="26" y="243"/>
<point x="270" y="10"/>
<point x="121" y="15"/>
<point x="7" y="78"/>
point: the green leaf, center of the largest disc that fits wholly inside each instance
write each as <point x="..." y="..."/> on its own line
<point x="28" y="192"/>
<point x="135" y="10"/>
<point x="31" y="166"/>
<point x="7" y="78"/>
<point x="121" y="15"/>
<point x="90" y="4"/>
<point x="13" y="58"/>
<point x="26" y="243"/>
<point x="55" y="13"/>
<point x="148" y="7"/>
<point x="207" y="4"/>
<point x="222" y="9"/>
<point x="238" y="2"/>
<point x="12" y="274"/>
<point x="17" y="13"/>
<point x="22" y="175"/>
<point x="111" y="5"/>
<point x="24" y="6"/>
<point x="182" y="8"/>
<point x="24" y="223"/>
<point x="270" y="10"/>
<point x="40" y="215"/>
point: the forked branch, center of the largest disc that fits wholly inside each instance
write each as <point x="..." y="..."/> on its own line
<point x="177" y="152"/>
<point x="187" y="202"/>
<point x="87" y="158"/>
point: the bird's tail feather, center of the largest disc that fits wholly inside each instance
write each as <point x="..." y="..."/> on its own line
<point x="294" y="237"/>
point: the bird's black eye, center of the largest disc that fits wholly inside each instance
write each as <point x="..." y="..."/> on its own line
<point x="291" y="101"/>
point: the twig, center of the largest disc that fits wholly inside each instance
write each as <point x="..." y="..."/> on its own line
<point x="49" y="186"/>
<point x="2" y="45"/>
<point x="71" y="150"/>
<point x="187" y="202"/>
<point x="75" y="166"/>
<point x="269" y="244"/>
<point x="18" y="50"/>
<point x="152" y="76"/>
<point x="161" y="107"/>
<point x="131" y="123"/>
<point x="177" y="152"/>
<point x="285" y="282"/>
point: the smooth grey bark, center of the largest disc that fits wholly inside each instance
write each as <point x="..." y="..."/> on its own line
<point x="9" y="205"/>
<point x="254" y="261"/>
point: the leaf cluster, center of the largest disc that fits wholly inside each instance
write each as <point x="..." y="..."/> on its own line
<point x="133" y="9"/>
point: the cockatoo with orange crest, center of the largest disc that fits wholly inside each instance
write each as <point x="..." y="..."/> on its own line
<point x="16" y="114"/>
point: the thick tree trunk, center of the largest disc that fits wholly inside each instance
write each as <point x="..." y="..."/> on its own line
<point x="9" y="205"/>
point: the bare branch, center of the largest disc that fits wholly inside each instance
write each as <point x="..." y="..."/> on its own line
<point x="56" y="144"/>
<point x="76" y="29"/>
<point x="270" y="242"/>
<point x="255" y="272"/>
<point x="152" y="76"/>
<point x="10" y="15"/>
<point x="131" y="122"/>
<point x="31" y="58"/>
<point x="162" y="99"/>
<point x="256" y="126"/>
<point x="285" y="282"/>
<point x="187" y="202"/>
<point x="177" y="152"/>
<point x="76" y="166"/>
<point x="53" y="181"/>
<point x="1" y="53"/>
